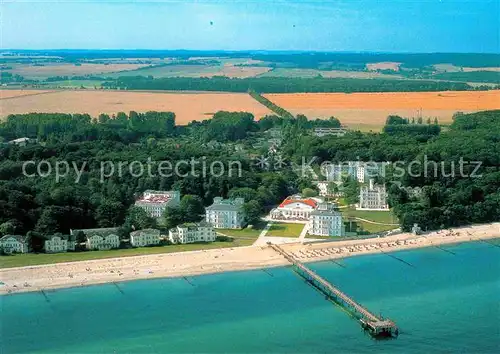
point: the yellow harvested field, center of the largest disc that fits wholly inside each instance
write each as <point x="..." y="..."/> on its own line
<point x="481" y="69"/>
<point x="32" y="71"/>
<point x="17" y="93"/>
<point x="186" y="106"/>
<point x="368" y="111"/>
<point x="453" y="68"/>
<point x="383" y="66"/>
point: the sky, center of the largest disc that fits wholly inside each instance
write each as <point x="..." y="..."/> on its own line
<point x="316" y="25"/>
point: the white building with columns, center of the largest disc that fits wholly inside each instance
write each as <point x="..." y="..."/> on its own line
<point x="295" y="208"/>
<point x="155" y="202"/>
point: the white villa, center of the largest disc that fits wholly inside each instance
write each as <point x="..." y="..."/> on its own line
<point x="372" y="197"/>
<point x="193" y="232"/>
<point x="325" y="221"/>
<point x="295" y="208"/>
<point x="320" y="132"/>
<point x="59" y="243"/>
<point x="361" y="171"/>
<point x="226" y="213"/>
<point x="14" y="244"/>
<point x="155" y="202"/>
<point x="146" y="237"/>
<point x="100" y="239"/>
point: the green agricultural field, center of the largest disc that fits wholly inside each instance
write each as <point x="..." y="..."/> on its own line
<point x="30" y="259"/>
<point x="311" y="73"/>
<point x="90" y="84"/>
<point x="285" y="230"/>
<point x="171" y="71"/>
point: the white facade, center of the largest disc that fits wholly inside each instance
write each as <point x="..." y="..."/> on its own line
<point x="324" y="221"/>
<point x="295" y="208"/>
<point x="320" y="132"/>
<point x="14" y="244"/>
<point x="226" y="213"/>
<point x="361" y="171"/>
<point x="56" y="244"/>
<point x="99" y="239"/>
<point x="96" y="242"/>
<point x="373" y="197"/>
<point x="155" y="202"/>
<point x="190" y="233"/>
<point x="147" y="237"/>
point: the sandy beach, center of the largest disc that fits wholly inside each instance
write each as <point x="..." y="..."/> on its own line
<point x="65" y="275"/>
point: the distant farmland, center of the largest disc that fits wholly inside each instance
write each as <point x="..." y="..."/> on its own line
<point x="368" y="111"/>
<point x="41" y="72"/>
<point x="186" y="106"/>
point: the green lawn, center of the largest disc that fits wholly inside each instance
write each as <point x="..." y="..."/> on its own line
<point x="20" y="260"/>
<point x="285" y="230"/>
<point x="385" y="217"/>
<point x="242" y="233"/>
<point x="374" y="228"/>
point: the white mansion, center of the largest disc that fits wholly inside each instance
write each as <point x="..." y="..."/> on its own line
<point x="146" y="237"/>
<point x="14" y="244"/>
<point x="192" y="232"/>
<point x="100" y="239"/>
<point x="326" y="221"/>
<point x="372" y="197"/>
<point x="295" y="208"/>
<point x="359" y="170"/>
<point x="155" y="202"/>
<point x="226" y="213"/>
<point x="59" y="243"/>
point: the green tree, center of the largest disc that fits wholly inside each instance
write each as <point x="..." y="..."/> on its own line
<point x="309" y="192"/>
<point x="138" y="219"/>
<point x="192" y="208"/>
<point x="253" y="211"/>
<point x="109" y="213"/>
<point x="351" y="189"/>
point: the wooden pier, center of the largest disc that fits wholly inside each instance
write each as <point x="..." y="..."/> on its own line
<point x="375" y="325"/>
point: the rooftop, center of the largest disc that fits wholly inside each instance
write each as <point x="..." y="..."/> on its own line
<point x="155" y="199"/>
<point x="308" y="201"/>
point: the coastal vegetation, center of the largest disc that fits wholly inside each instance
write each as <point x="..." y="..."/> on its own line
<point x="83" y="197"/>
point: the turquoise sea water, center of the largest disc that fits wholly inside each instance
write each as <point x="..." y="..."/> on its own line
<point x="444" y="303"/>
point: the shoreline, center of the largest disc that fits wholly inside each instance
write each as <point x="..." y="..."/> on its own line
<point x="193" y="263"/>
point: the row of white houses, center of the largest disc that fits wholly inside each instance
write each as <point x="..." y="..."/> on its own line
<point x="108" y="238"/>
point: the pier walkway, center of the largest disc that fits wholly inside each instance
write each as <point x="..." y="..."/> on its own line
<point x="376" y="325"/>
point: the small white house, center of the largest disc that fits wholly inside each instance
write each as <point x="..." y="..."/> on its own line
<point x="59" y="243"/>
<point x="146" y="237"/>
<point x="14" y="244"/>
<point x="100" y="239"/>
<point x="193" y="232"/>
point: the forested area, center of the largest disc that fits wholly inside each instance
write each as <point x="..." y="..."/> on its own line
<point x="282" y="84"/>
<point x="44" y="205"/>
